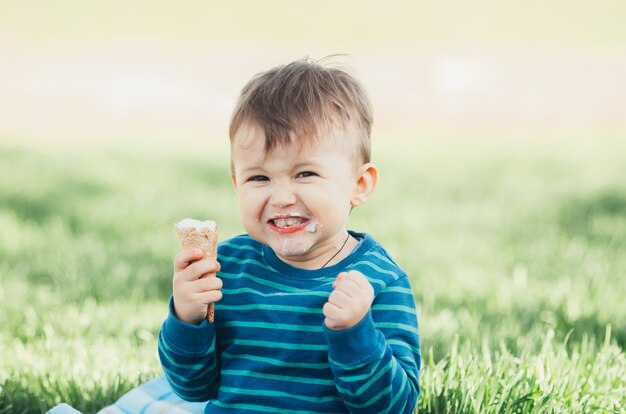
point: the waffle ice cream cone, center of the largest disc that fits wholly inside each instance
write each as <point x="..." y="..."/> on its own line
<point x="195" y="234"/>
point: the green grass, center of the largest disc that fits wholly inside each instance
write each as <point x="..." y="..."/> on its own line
<point x="515" y="251"/>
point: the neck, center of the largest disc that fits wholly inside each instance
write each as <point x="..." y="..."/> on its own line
<point x="338" y="250"/>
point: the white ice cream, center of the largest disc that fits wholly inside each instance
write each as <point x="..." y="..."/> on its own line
<point x="312" y="226"/>
<point x="197" y="224"/>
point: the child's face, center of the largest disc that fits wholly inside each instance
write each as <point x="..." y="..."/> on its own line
<point x="296" y="199"/>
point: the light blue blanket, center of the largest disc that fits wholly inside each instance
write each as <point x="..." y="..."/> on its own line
<point x="153" y="397"/>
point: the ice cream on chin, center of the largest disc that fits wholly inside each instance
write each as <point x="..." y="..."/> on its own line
<point x="195" y="234"/>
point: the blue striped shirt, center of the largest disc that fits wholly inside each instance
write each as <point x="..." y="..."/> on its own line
<point x="269" y="350"/>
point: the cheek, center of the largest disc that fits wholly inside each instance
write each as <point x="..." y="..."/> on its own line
<point x="249" y="220"/>
<point x="337" y="197"/>
<point x="249" y="199"/>
<point x="248" y="207"/>
<point x="332" y="208"/>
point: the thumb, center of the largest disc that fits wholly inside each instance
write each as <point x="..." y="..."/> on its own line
<point x="338" y="280"/>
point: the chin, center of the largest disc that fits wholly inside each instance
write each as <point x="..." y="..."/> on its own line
<point x="291" y="247"/>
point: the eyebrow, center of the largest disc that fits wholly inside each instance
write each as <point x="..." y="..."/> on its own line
<point x="306" y="164"/>
<point x="252" y="169"/>
<point x="298" y="166"/>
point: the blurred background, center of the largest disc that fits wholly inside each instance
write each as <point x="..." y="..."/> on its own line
<point x="120" y="71"/>
<point x="499" y="129"/>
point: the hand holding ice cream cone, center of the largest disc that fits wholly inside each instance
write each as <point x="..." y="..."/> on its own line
<point x="191" y="268"/>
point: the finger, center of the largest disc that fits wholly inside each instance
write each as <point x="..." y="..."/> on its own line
<point x="199" y="269"/>
<point x="212" y="268"/>
<point x="358" y="278"/>
<point x="334" y="321"/>
<point x="338" y="280"/>
<point x="209" y="296"/>
<point x="349" y="287"/>
<point x="339" y="299"/>
<point x="185" y="257"/>
<point x="364" y="284"/>
<point x="331" y="311"/>
<point x="206" y="284"/>
<point x="332" y="324"/>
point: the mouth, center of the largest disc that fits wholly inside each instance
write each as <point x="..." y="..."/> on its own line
<point x="288" y="224"/>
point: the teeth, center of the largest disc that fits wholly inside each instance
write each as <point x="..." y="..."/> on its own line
<point x="288" y="222"/>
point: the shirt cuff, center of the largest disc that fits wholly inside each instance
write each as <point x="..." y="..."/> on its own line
<point x="359" y="344"/>
<point x="185" y="338"/>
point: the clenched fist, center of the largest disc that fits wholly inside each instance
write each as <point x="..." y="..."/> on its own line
<point x="349" y="301"/>
<point x="195" y="285"/>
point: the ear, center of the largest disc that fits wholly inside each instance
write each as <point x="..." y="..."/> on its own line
<point x="365" y="184"/>
<point x="232" y="177"/>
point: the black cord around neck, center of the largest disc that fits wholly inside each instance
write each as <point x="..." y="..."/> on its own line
<point x="338" y="251"/>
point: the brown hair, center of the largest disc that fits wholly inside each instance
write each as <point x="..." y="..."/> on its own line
<point x="300" y="99"/>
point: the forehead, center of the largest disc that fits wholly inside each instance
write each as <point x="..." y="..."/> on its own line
<point x="250" y="139"/>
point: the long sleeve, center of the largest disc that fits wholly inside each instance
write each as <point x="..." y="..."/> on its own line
<point x="269" y="351"/>
<point x="376" y="362"/>
<point x="187" y="354"/>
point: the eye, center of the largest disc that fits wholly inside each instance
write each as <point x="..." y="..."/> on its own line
<point x="258" y="178"/>
<point x="305" y="174"/>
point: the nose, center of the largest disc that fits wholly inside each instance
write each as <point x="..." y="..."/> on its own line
<point x="282" y="196"/>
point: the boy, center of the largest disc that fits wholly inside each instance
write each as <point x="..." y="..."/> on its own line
<point x="310" y="317"/>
